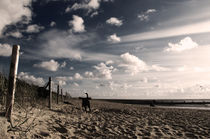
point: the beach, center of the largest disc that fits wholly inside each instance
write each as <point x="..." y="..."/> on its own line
<point x="108" y="120"/>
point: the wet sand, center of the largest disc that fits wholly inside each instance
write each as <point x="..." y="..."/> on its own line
<point x="110" y="120"/>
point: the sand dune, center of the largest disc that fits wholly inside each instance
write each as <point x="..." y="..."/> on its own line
<point x="110" y="120"/>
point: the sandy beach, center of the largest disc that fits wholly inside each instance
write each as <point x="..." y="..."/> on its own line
<point x="109" y="120"/>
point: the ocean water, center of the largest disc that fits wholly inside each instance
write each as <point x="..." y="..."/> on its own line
<point x="199" y="104"/>
<point x="195" y="107"/>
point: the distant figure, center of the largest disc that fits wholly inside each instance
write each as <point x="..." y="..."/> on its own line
<point x="152" y="103"/>
<point x="85" y="102"/>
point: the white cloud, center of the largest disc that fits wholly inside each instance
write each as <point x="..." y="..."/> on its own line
<point x="132" y="64"/>
<point x="89" y="74"/>
<point x="68" y="9"/>
<point x="71" y="68"/>
<point x="183" y="68"/>
<point x="34" y="28"/>
<point x="151" y="11"/>
<point x="52" y="23"/>
<point x="69" y="46"/>
<point x="109" y="62"/>
<point x="51" y="65"/>
<point x="61" y="83"/>
<point x="195" y="28"/>
<point x="77" y="76"/>
<point x="145" y="15"/>
<point x="104" y="71"/>
<point x="94" y="14"/>
<point x="15" y="34"/>
<point x="76" y="84"/>
<point x="113" y="38"/>
<point x="185" y="44"/>
<point x="159" y="68"/>
<point x="91" y="5"/>
<point x="63" y="65"/>
<point x="77" y="23"/>
<point x="94" y="4"/>
<point x="5" y="50"/>
<point x="61" y="80"/>
<point x="114" y="21"/>
<point x="13" y="11"/>
<point x="66" y="42"/>
<point x="31" y="79"/>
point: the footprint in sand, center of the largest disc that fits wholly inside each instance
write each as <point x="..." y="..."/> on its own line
<point x="45" y="134"/>
<point x="61" y="129"/>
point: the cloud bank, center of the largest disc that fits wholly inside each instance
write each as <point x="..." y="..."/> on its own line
<point x="13" y="11"/>
<point x="184" y="44"/>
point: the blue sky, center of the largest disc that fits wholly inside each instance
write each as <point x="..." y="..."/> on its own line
<point x="111" y="48"/>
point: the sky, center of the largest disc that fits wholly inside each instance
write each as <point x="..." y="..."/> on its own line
<point x="139" y="49"/>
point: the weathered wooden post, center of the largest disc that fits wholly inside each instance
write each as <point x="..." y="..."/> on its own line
<point x="57" y="93"/>
<point x="50" y="93"/>
<point x="62" y="95"/>
<point x="66" y="96"/>
<point x="12" y="82"/>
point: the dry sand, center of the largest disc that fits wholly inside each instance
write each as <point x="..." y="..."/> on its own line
<point x="109" y="120"/>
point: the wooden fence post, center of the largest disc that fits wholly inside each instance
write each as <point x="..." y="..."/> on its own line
<point x="62" y="95"/>
<point x="66" y="96"/>
<point x="12" y="82"/>
<point x="50" y="93"/>
<point x="57" y="93"/>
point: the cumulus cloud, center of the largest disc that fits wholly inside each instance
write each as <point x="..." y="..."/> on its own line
<point x="61" y="80"/>
<point x="31" y="79"/>
<point x="63" y="65"/>
<point x="113" y="38"/>
<point x="104" y="71"/>
<point x="34" y="28"/>
<point x="151" y="11"/>
<point x="94" y="14"/>
<point x="145" y="15"/>
<point x="71" y="68"/>
<point x="51" y="65"/>
<point x="184" y="44"/>
<point x="14" y="11"/>
<point x="114" y="21"/>
<point x="15" y="34"/>
<point x="77" y="23"/>
<point x="134" y="65"/>
<point x="87" y="5"/>
<point x="5" y="50"/>
<point x="109" y="62"/>
<point x="88" y="74"/>
<point x="66" y="41"/>
<point x="77" y="76"/>
<point x="52" y="23"/>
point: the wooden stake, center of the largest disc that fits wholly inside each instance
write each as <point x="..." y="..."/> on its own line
<point x="66" y="96"/>
<point x="50" y="93"/>
<point x="62" y="95"/>
<point x="57" y="93"/>
<point x="12" y="82"/>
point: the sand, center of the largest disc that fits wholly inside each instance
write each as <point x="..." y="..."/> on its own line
<point x="109" y="120"/>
